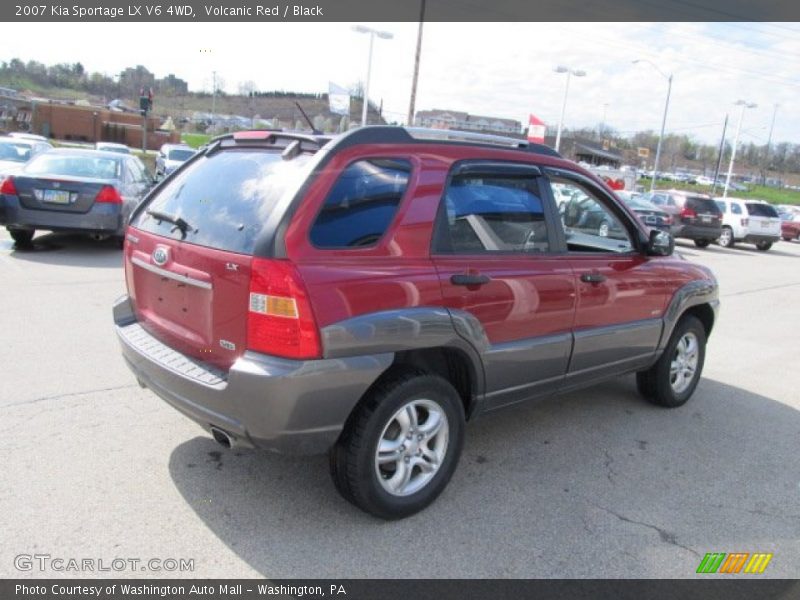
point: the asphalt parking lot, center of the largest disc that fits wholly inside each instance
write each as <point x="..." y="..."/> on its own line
<point x="592" y="484"/>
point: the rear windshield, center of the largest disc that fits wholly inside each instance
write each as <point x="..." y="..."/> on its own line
<point x="14" y="152"/>
<point x="703" y="205"/>
<point x="74" y="165"/>
<point x="180" y="155"/>
<point x="225" y="199"/>
<point x="758" y="209"/>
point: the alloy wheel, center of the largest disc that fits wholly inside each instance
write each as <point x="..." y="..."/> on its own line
<point x="412" y="447"/>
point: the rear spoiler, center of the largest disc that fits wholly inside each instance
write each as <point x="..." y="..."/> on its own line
<point x="293" y="142"/>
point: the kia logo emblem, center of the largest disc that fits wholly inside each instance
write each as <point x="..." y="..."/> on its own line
<point x="160" y="256"/>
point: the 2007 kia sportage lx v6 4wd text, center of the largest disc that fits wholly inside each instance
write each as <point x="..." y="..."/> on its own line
<point x="366" y="295"/>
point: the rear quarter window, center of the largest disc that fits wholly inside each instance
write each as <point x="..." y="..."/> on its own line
<point x="361" y="204"/>
<point x="757" y="209"/>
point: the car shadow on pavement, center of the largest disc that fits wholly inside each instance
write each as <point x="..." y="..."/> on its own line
<point x="597" y="483"/>
<point x="69" y="250"/>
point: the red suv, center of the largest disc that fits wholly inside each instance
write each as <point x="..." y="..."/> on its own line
<point x="367" y="295"/>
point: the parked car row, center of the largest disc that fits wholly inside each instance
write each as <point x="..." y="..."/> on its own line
<point x="74" y="190"/>
<point x="727" y="221"/>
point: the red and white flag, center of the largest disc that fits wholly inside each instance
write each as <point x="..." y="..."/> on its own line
<point x="536" y="129"/>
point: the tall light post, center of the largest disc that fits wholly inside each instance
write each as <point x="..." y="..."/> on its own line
<point x="769" y="143"/>
<point x="744" y="104"/>
<point x="570" y="72"/>
<point x="384" y="35"/>
<point x="663" y="119"/>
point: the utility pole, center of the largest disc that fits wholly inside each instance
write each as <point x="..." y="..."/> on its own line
<point x="410" y="120"/>
<point x="719" y="157"/>
<point x="213" y="99"/>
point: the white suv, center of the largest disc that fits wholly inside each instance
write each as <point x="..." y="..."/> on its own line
<point x="750" y="221"/>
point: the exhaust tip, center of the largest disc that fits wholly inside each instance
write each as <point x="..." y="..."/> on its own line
<point x="222" y="438"/>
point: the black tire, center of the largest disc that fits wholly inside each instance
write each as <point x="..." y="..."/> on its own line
<point x="353" y="457"/>
<point x="764" y="246"/>
<point x="22" y="237"/>
<point x="786" y="238"/>
<point x="702" y="243"/>
<point x="656" y="383"/>
<point x="726" y="238"/>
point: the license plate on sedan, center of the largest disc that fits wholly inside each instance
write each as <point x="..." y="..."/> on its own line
<point x="56" y="196"/>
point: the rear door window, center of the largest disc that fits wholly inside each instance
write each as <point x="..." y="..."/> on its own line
<point x="224" y="198"/>
<point x="492" y="213"/>
<point x="361" y="204"/>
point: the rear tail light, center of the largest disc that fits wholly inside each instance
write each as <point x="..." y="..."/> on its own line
<point x="280" y="321"/>
<point x="8" y="186"/>
<point x="688" y="213"/>
<point x="745" y="222"/>
<point x="108" y="194"/>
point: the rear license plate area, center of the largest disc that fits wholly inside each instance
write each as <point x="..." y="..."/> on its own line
<point x="56" y="196"/>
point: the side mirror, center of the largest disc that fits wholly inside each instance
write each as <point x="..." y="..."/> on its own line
<point x="660" y="243"/>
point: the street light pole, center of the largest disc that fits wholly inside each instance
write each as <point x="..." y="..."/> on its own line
<point x="569" y="71"/>
<point x="744" y="105"/>
<point x="663" y="118"/>
<point x="769" y="143"/>
<point x="385" y="35"/>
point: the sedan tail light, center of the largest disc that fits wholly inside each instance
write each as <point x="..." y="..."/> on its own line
<point x="8" y="187"/>
<point x="108" y="195"/>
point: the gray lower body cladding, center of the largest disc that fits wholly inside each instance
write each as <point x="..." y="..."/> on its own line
<point x="288" y="406"/>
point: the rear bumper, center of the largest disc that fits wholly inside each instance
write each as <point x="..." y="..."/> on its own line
<point x="288" y="406"/>
<point x="696" y="232"/>
<point x="106" y="218"/>
<point x="754" y="238"/>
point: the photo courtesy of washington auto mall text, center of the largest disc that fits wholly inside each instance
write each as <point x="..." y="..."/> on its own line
<point x="149" y="590"/>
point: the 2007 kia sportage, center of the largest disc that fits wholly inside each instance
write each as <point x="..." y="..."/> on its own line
<point x="368" y="294"/>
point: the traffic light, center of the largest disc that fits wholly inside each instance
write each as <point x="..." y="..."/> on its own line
<point x="145" y="101"/>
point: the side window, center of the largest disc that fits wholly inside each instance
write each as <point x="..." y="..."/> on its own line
<point x="491" y="213"/>
<point x="736" y="208"/>
<point x="589" y="224"/>
<point x="362" y="203"/>
<point x="131" y="174"/>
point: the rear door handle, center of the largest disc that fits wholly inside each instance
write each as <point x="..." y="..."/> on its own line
<point x="469" y="279"/>
<point x="593" y="278"/>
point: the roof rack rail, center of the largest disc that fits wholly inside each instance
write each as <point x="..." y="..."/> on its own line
<point x="392" y="134"/>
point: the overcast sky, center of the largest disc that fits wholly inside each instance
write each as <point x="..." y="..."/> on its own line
<point x="497" y="69"/>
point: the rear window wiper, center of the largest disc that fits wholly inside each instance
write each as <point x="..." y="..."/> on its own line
<point x="179" y="223"/>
